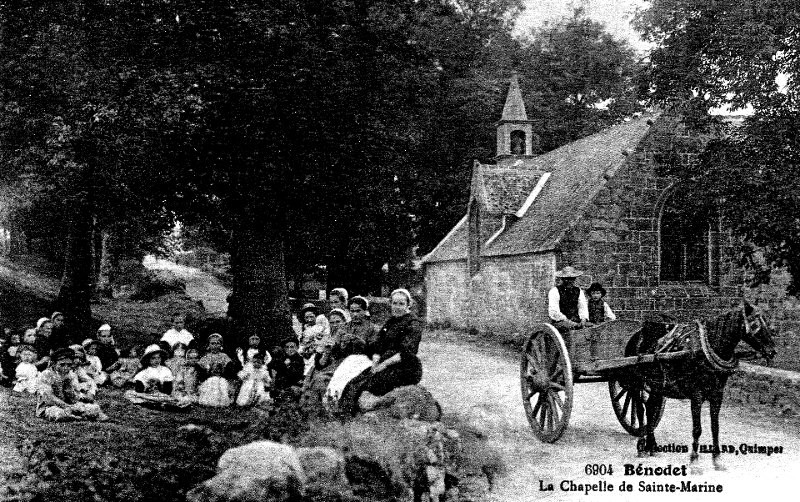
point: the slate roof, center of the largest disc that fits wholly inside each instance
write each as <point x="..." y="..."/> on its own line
<point x="503" y="190"/>
<point x="578" y="171"/>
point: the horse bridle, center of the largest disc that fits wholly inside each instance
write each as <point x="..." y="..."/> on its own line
<point x="754" y="324"/>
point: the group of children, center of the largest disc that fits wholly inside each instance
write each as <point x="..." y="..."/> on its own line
<point x="171" y="374"/>
<point x="179" y="376"/>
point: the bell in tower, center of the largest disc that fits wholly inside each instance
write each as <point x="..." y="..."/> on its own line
<point x="515" y="137"/>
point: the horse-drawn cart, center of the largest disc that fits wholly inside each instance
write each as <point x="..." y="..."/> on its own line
<point x="553" y="362"/>
<point x="643" y="363"/>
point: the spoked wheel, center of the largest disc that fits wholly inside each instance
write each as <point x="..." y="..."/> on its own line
<point x="629" y="406"/>
<point x="546" y="382"/>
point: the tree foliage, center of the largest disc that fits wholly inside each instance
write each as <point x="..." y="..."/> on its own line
<point x="742" y="54"/>
<point x="327" y="132"/>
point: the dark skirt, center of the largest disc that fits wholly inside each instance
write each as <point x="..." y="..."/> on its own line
<point x="397" y="375"/>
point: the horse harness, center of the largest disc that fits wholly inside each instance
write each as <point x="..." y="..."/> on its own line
<point x="694" y="337"/>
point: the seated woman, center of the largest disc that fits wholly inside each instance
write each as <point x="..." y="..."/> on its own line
<point x="57" y="398"/>
<point x="153" y="385"/>
<point x="394" y="358"/>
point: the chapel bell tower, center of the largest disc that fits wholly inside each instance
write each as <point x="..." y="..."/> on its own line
<point x="515" y="139"/>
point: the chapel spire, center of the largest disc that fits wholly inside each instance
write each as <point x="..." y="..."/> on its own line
<point x="514" y="108"/>
<point x="515" y="137"/>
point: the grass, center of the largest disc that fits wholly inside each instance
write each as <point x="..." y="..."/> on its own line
<point x="144" y="455"/>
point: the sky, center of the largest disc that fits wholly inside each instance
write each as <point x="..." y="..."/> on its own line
<point x="614" y="14"/>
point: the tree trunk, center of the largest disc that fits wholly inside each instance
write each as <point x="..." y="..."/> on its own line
<point x="75" y="294"/>
<point x="259" y="283"/>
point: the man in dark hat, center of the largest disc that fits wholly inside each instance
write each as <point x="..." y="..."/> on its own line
<point x="566" y="302"/>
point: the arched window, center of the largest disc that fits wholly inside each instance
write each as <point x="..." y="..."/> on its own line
<point x="684" y="233"/>
<point x="474" y="238"/>
<point x="518" y="143"/>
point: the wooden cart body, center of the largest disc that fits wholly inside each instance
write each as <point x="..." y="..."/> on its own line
<point x="553" y="362"/>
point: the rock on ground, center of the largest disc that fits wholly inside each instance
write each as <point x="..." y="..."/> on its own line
<point x="410" y="401"/>
<point x="256" y="472"/>
<point x="324" y="469"/>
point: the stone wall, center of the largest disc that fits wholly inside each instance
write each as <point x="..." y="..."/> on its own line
<point x="508" y="295"/>
<point x="446" y="298"/>
<point x="616" y="242"/>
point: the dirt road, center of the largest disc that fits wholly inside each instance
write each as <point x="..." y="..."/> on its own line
<point x="199" y="285"/>
<point x="484" y="386"/>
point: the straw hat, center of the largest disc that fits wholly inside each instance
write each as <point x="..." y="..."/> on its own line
<point x="150" y="351"/>
<point x="568" y="272"/>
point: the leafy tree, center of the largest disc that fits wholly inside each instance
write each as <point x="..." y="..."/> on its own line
<point x="568" y="68"/>
<point x="738" y="54"/>
<point x="579" y="79"/>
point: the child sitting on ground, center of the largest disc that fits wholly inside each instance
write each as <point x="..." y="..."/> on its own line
<point x="26" y="373"/>
<point x="287" y="372"/>
<point x="57" y="398"/>
<point x="256" y="380"/>
<point x="178" y="358"/>
<point x="29" y="337"/>
<point x="215" y="390"/>
<point x="154" y="384"/>
<point x="245" y="354"/>
<point x="82" y="373"/>
<point x="154" y="378"/>
<point x="599" y="311"/>
<point x="90" y="347"/>
<point x="121" y="373"/>
<point x="8" y="357"/>
<point x="107" y="348"/>
<point x="186" y="375"/>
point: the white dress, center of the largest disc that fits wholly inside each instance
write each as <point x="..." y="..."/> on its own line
<point x="26" y="379"/>
<point x="254" y="386"/>
<point x="214" y="391"/>
<point x="97" y="372"/>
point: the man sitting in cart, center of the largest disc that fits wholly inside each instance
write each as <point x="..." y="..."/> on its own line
<point x="566" y="303"/>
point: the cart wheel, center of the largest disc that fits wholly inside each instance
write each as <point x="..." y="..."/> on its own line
<point x="628" y="402"/>
<point x="546" y="382"/>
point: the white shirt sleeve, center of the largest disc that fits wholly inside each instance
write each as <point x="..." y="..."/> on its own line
<point x="608" y="312"/>
<point x="552" y="305"/>
<point x="583" y="306"/>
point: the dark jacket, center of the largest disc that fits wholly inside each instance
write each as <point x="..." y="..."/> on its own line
<point x="288" y="373"/>
<point x="400" y="335"/>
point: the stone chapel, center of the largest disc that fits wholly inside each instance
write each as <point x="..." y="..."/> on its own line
<point x="598" y="204"/>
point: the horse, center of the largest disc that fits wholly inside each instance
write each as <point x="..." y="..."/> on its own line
<point x="700" y="377"/>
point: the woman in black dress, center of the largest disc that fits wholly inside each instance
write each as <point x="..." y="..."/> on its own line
<point x="394" y="358"/>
